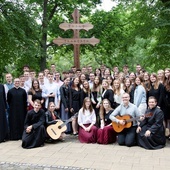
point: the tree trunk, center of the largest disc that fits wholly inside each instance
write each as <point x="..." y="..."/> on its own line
<point x="44" y="37"/>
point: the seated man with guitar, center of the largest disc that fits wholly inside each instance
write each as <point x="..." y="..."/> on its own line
<point x="122" y="118"/>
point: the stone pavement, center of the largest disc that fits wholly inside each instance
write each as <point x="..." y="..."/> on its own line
<point x="73" y="155"/>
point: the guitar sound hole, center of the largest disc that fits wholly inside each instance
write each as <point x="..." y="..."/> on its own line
<point x="59" y="127"/>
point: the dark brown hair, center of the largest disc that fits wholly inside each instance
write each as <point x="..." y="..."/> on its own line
<point x="32" y="89"/>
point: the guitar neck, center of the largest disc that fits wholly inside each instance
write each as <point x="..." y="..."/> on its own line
<point x="132" y="119"/>
<point x="67" y="121"/>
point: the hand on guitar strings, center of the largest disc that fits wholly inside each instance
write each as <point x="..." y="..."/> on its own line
<point x="142" y="118"/>
<point x="122" y="122"/>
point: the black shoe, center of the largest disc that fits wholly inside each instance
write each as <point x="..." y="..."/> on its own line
<point x="48" y="140"/>
<point x="75" y="134"/>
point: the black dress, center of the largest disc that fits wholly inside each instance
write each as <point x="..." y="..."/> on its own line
<point x="85" y="94"/>
<point x="109" y="94"/>
<point x="131" y="93"/>
<point x="36" y="137"/>
<point x="154" y="124"/>
<point x="17" y="100"/>
<point x="64" y="93"/>
<point x="158" y="94"/>
<point x="75" y="99"/>
<point x="166" y="105"/>
<point x="3" y="120"/>
<point x="37" y="95"/>
<point x="97" y="98"/>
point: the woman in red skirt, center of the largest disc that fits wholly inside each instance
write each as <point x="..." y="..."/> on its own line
<point x="86" y="121"/>
<point x="106" y="134"/>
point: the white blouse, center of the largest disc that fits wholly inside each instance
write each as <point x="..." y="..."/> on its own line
<point x="118" y="98"/>
<point x="86" y="117"/>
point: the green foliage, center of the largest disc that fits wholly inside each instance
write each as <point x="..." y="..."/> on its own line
<point x="18" y="40"/>
<point x="51" y="15"/>
<point x="133" y="32"/>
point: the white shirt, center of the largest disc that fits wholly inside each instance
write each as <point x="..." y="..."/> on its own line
<point x="118" y="98"/>
<point x="48" y="89"/>
<point x="86" y="117"/>
<point x="28" y="83"/>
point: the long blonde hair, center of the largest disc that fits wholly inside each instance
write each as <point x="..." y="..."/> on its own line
<point x="163" y="77"/>
<point x="116" y="91"/>
<point x="102" y="110"/>
<point x="156" y="84"/>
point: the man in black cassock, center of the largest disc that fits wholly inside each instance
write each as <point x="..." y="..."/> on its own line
<point x="3" y="120"/>
<point x="17" y="100"/>
<point x="151" y="131"/>
<point x="34" y="130"/>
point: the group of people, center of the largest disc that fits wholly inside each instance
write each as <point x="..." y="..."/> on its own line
<point x="31" y="103"/>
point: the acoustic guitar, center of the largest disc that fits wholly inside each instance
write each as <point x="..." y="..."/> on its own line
<point x="128" y="121"/>
<point x="55" y="130"/>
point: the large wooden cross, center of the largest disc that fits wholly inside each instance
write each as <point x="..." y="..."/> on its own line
<point x="76" y="26"/>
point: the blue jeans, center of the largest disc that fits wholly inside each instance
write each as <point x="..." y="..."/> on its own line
<point x="127" y="136"/>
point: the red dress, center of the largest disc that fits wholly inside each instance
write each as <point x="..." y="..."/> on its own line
<point x="107" y="134"/>
<point x="86" y="119"/>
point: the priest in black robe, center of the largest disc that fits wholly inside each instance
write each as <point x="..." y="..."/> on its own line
<point x="3" y="120"/>
<point x="17" y="100"/>
<point x="34" y="130"/>
<point x="151" y="131"/>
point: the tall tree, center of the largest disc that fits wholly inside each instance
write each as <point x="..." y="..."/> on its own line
<point x="51" y="13"/>
<point x="18" y="34"/>
<point x="133" y="32"/>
